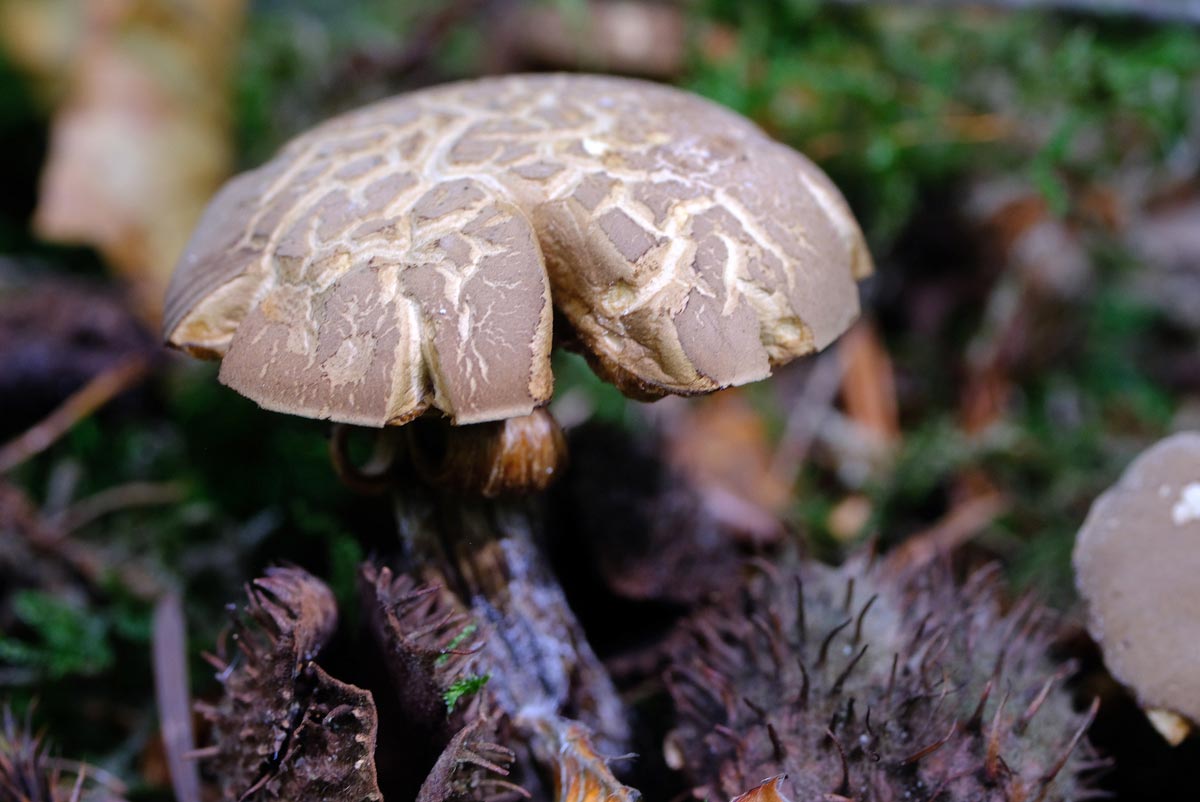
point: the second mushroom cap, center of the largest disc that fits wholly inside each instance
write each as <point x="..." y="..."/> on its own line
<point x="1137" y="564"/>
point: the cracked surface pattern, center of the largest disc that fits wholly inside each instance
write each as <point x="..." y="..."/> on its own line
<point x="410" y="254"/>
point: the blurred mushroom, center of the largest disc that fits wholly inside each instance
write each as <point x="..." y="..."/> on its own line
<point x="631" y="37"/>
<point x="1137" y="559"/>
<point x="406" y="260"/>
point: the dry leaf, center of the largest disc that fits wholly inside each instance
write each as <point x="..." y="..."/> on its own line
<point x="766" y="791"/>
<point x="41" y="37"/>
<point x="720" y="442"/>
<point x="868" y="382"/>
<point x="580" y="773"/>
<point x="141" y="140"/>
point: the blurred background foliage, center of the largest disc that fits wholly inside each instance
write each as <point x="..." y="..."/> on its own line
<point x="1029" y="182"/>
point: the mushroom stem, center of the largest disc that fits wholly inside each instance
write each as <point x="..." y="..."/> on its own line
<point x="506" y="458"/>
<point x="542" y="666"/>
<point x="467" y="538"/>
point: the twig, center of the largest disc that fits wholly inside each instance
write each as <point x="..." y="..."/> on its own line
<point x="955" y="528"/>
<point x="93" y="565"/>
<point x="96" y="393"/>
<point x="115" y="499"/>
<point x="89" y="562"/>
<point x="1157" y="10"/>
<point x="171" y="690"/>
<point x="963" y="128"/>
<point x="109" y="781"/>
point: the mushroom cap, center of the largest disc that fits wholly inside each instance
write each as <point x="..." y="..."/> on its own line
<point x="1137" y="565"/>
<point x="411" y="254"/>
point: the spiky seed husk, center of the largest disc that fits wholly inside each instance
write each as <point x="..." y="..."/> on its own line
<point x="29" y="773"/>
<point x="427" y="638"/>
<point x="431" y="641"/>
<point x="872" y="685"/>
<point x="284" y="729"/>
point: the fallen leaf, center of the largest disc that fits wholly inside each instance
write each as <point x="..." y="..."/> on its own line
<point x="720" y="442"/>
<point x="868" y="382"/>
<point x="141" y="140"/>
<point x="41" y="37"/>
<point x="580" y="773"/>
<point x="766" y="791"/>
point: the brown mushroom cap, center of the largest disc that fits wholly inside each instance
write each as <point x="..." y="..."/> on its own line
<point x="1137" y="564"/>
<point x="404" y="256"/>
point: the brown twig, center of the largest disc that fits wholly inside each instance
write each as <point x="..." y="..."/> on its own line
<point x="103" y="388"/>
<point x="116" y="499"/>
<point x="956" y="527"/>
<point x="90" y="563"/>
<point x="93" y="565"/>
<point x="111" y="783"/>
<point x="171" y="692"/>
<point x="963" y="128"/>
<point x="1157" y="10"/>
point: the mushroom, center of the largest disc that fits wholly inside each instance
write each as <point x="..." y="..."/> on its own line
<point x="408" y="257"/>
<point x="420" y="257"/>
<point x="1137" y="564"/>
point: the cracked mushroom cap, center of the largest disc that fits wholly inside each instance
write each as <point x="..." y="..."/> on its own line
<point x="411" y="254"/>
<point x="1137" y="564"/>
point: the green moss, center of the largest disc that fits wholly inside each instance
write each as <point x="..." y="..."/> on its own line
<point x="466" y="686"/>
<point x="65" y="638"/>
